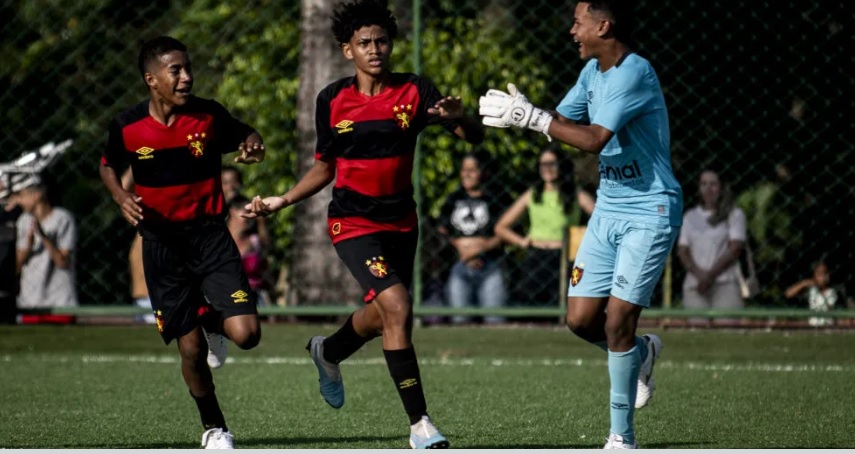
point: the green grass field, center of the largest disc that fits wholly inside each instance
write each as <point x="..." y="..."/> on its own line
<point x="119" y="387"/>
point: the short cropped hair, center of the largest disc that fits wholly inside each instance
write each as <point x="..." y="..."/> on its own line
<point x="350" y="16"/>
<point x="620" y="14"/>
<point x="153" y="49"/>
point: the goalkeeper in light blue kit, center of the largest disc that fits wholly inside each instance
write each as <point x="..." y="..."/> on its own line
<point x="616" y="110"/>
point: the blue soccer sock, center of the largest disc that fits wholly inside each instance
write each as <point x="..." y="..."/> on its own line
<point x="623" y="372"/>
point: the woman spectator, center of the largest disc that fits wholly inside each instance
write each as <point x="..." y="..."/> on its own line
<point x="468" y="219"/>
<point x="711" y="240"/>
<point x="552" y="205"/>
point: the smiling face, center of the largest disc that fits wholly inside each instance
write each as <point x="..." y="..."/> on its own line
<point x="170" y="78"/>
<point x="588" y="29"/>
<point x="369" y="48"/>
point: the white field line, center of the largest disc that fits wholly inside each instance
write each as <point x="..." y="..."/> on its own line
<point x="446" y="362"/>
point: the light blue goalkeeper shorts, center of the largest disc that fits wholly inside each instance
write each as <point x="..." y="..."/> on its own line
<point x="621" y="258"/>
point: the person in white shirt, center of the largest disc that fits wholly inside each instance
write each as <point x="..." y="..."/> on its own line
<point x="711" y="240"/>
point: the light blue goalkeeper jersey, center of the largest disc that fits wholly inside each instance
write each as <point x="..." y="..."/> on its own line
<point x="636" y="179"/>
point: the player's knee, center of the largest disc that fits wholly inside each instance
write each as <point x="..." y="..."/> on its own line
<point x="246" y="337"/>
<point x="193" y="353"/>
<point x="578" y="324"/>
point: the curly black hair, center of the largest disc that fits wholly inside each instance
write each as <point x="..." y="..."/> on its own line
<point x="350" y="16"/>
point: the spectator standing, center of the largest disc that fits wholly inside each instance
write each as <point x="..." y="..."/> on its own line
<point x="46" y="240"/>
<point x="551" y="205"/>
<point x="468" y="219"/>
<point x="711" y="240"/>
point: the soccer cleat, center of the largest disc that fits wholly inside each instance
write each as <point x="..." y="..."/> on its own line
<point x="615" y="441"/>
<point x="646" y="384"/>
<point x="424" y="435"/>
<point x="217" y="439"/>
<point x="332" y="386"/>
<point x="218" y="346"/>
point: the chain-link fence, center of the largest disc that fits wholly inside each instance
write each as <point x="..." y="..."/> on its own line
<point x="756" y="90"/>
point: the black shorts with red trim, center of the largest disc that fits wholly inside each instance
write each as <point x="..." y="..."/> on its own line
<point x="380" y="260"/>
<point x="192" y="271"/>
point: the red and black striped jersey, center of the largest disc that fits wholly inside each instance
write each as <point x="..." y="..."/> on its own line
<point x="176" y="168"/>
<point x="371" y="140"/>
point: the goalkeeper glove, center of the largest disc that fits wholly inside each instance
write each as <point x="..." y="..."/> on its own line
<point x="501" y="110"/>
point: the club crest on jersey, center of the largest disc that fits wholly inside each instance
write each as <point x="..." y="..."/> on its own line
<point x="377" y="267"/>
<point x="196" y="143"/>
<point x="403" y="115"/>
<point x="576" y="274"/>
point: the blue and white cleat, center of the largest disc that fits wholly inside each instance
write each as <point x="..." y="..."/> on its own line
<point x="424" y="435"/>
<point x="615" y="441"/>
<point x="332" y="386"/>
<point x="646" y="384"/>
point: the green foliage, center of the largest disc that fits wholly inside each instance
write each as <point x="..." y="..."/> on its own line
<point x="465" y="57"/>
<point x="250" y="65"/>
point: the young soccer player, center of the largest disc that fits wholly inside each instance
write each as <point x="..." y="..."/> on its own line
<point x="616" y="110"/>
<point x="367" y="127"/>
<point x="174" y="143"/>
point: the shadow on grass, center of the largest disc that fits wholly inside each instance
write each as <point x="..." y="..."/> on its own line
<point x="242" y="443"/>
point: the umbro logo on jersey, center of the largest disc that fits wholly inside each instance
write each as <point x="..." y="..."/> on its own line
<point x="240" y="297"/>
<point x="145" y="153"/>
<point x="344" y="126"/>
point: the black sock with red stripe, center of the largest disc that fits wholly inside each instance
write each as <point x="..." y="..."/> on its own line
<point x="209" y="411"/>
<point x="404" y="369"/>
<point x="343" y="343"/>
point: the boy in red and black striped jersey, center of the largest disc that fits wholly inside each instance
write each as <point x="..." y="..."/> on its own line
<point x="367" y="127"/>
<point x="173" y="143"/>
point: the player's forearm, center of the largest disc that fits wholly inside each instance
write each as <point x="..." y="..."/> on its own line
<point x="112" y="183"/>
<point x="579" y="136"/>
<point x="471" y="130"/>
<point x="726" y="260"/>
<point x="58" y="257"/>
<point x="317" y="178"/>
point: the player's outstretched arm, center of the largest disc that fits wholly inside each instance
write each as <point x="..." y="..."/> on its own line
<point x="320" y="175"/>
<point x="128" y="202"/>
<point x="513" y="109"/>
<point x="451" y="107"/>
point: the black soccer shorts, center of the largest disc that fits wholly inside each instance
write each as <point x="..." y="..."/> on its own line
<point x="184" y="270"/>
<point x="380" y="260"/>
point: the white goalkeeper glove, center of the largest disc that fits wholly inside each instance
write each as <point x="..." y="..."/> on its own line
<point x="501" y="110"/>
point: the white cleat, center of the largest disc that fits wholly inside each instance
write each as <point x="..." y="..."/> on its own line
<point x="218" y="346"/>
<point x="646" y="384"/>
<point x="217" y="439"/>
<point x="425" y="435"/>
<point x="615" y="441"/>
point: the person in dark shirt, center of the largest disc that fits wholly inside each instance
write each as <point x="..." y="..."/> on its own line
<point x="367" y="127"/>
<point x="173" y="143"/>
<point x="468" y="219"/>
